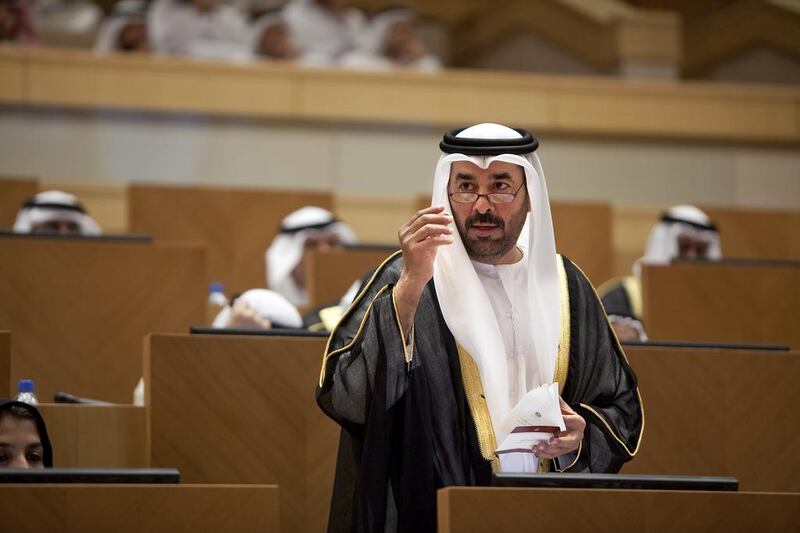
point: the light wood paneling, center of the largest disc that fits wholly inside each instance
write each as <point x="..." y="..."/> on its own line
<point x="95" y="436"/>
<point x="757" y="233"/>
<point x="631" y="228"/>
<point x="79" y="309"/>
<point x="137" y="508"/>
<point x="723" y="303"/>
<point x="708" y="412"/>
<point x="584" y="106"/>
<point x="331" y="274"/>
<point x="240" y="409"/>
<point x="12" y="77"/>
<point x="583" y="233"/>
<point x="507" y="510"/>
<point x="5" y="365"/>
<point x="237" y="224"/>
<point x="14" y="191"/>
<point x="375" y="219"/>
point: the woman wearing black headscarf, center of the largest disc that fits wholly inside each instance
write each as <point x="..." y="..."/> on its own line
<point x="24" y="442"/>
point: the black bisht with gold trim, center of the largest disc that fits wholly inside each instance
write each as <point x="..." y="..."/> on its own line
<point x="409" y="429"/>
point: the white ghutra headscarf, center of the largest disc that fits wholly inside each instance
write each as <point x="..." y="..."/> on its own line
<point x="288" y="247"/>
<point x="48" y="206"/>
<point x="662" y="244"/>
<point x="464" y="302"/>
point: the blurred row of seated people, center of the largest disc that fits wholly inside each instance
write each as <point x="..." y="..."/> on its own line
<point x="323" y="33"/>
<point x="684" y="232"/>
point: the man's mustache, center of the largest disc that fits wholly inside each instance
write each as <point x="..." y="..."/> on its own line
<point x="485" y="218"/>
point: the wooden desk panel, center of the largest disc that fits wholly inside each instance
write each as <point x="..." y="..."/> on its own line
<point x="501" y="510"/>
<point x="96" y="436"/>
<point x="331" y="274"/>
<point x="240" y="409"/>
<point x="585" y="106"/>
<point x="583" y="233"/>
<point x="136" y="508"/>
<point x="708" y="302"/>
<point x="757" y="233"/>
<point x="6" y="388"/>
<point x="237" y="224"/>
<point x="80" y="309"/>
<point x="719" y="412"/>
<point x="13" y="193"/>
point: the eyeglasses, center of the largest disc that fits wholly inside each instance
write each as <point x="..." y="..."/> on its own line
<point x="493" y="197"/>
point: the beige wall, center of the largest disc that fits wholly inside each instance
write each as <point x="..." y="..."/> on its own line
<point x="377" y="161"/>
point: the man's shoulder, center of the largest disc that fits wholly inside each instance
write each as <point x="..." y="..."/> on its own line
<point x="575" y="275"/>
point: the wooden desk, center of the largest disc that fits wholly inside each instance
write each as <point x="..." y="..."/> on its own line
<point x="237" y="224"/>
<point x="241" y="409"/>
<point x="331" y="274"/>
<point x="757" y="233"/>
<point x="6" y="388"/>
<point x="79" y="309"/>
<point x="722" y="303"/>
<point x="583" y="233"/>
<point x="136" y="508"/>
<point x="500" y="510"/>
<point x="14" y="191"/>
<point x="719" y="412"/>
<point x="96" y="436"/>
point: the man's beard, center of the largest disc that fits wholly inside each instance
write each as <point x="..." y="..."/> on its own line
<point x="489" y="249"/>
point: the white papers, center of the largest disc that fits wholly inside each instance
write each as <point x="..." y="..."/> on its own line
<point x="535" y="418"/>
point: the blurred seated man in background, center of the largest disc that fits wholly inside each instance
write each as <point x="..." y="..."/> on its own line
<point x="684" y="232"/>
<point x="124" y="30"/>
<point x="271" y="38"/>
<point x="16" y="22"/>
<point x="309" y="228"/>
<point x="55" y="212"/>
<point x="259" y="309"/>
<point x="24" y="442"/>
<point x="198" y="28"/>
<point x="391" y="42"/>
<point x="324" y="30"/>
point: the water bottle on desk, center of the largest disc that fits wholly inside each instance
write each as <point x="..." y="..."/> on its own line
<point x="25" y="392"/>
<point x="216" y="301"/>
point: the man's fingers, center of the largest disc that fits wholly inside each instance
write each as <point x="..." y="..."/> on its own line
<point x="433" y="242"/>
<point x="427" y="210"/>
<point x="429" y="230"/>
<point x="427" y="219"/>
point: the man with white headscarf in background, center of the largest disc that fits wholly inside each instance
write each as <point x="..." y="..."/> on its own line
<point x="391" y="42"/>
<point x="308" y="228"/>
<point x="324" y="30"/>
<point x="453" y="331"/>
<point x="684" y="232"/>
<point x="209" y="29"/>
<point x="55" y="212"/>
<point x="124" y="30"/>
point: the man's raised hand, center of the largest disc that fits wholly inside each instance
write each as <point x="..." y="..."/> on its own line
<point x="419" y="239"/>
